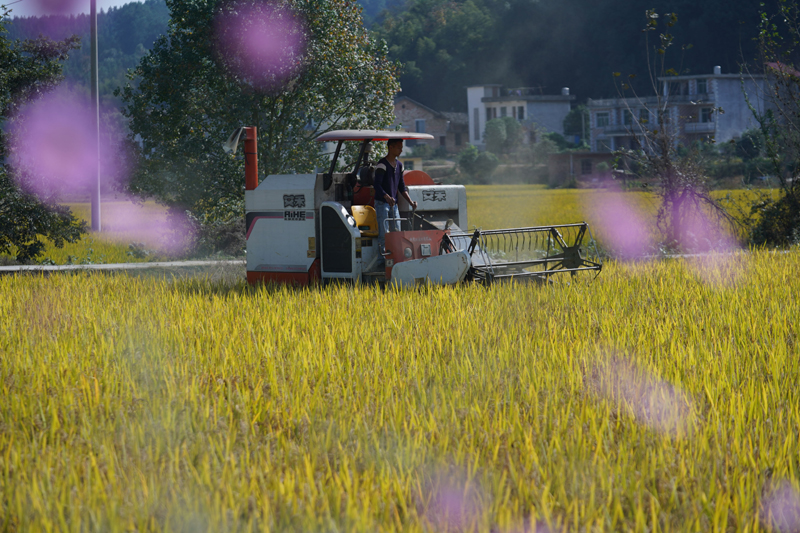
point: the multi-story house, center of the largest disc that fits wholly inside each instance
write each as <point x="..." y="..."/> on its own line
<point x="701" y="107"/>
<point x="536" y="111"/>
<point x="448" y="129"/>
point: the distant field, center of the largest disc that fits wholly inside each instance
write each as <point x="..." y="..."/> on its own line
<point x="660" y="397"/>
<point x="489" y="207"/>
<point x="504" y="206"/>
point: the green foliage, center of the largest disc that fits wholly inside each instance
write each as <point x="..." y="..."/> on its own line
<point x="778" y="46"/>
<point x="503" y="135"/>
<point x="542" y="150"/>
<point x="559" y="141"/>
<point x="27" y="221"/>
<point x="577" y="122"/>
<point x="750" y="145"/>
<point x="778" y="222"/>
<point x="494" y="135"/>
<point x="422" y="150"/>
<point x="183" y="104"/>
<point x="478" y="166"/>
<point x="514" y="135"/>
<point x="28" y="68"/>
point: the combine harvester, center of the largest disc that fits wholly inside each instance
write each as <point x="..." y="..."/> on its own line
<point x="316" y="228"/>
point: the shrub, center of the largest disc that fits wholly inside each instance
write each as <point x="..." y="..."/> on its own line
<point x="495" y="135"/>
<point x="422" y="150"/>
<point x="478" y="166"/>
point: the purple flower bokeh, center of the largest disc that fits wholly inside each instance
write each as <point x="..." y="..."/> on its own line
<point x="58" y="7"/>
<point x="454" y="503"/>
<point x="260" y="42"/>
<point x="151" y="227"/>
<point x="619" y="224"/>
<point x="54" y="147"/>
<point x="781" y="509"/>
<point x="653" y="402"/>
<point x="700" y="233"/>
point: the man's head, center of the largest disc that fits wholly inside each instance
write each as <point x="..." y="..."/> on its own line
<point x="395" y="146"/>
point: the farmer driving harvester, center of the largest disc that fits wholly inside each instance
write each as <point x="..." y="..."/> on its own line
<point x="388" y="184"/>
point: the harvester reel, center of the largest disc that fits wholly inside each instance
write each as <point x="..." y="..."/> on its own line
<point x="534" y="253"/>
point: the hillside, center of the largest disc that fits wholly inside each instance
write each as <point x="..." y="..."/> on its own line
<point x="124" y="36"/>
<point x="446" y="45"/>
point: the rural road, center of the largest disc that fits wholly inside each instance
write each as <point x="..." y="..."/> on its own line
<point x="117" y="266"/>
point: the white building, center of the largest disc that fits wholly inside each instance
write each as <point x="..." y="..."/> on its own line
<point x="692" y="107"/>
<point x="536" y="112"/>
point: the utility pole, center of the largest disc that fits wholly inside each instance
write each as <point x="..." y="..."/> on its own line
<point x="583" y="124"/>
<point x="95" y="187"/>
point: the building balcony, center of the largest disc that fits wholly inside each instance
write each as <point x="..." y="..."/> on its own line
<point x="622" y="129"/>
<point x="700" y="127"/>
<point x="707" y="98"/>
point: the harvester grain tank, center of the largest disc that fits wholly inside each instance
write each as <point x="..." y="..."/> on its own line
<point x="309" y="228"/>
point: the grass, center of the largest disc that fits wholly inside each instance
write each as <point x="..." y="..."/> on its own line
<point x="660" y="397"/>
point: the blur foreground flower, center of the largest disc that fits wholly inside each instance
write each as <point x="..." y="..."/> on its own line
<point x="260" y="42"/>
<point x="58" y="7"/>
<point x="54" y="147"/>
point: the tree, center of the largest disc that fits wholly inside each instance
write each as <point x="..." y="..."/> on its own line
<point x="494" y="135"/>
<point x="750" y="144"/>
<point x="779" y="220"/>
<point x="27" y="69"/>
<point x="186" y="97"/>
<point x="503" y="135"/>
<point x="478" y="166"/>
<point x="689" y="217"/>
<point x="576" y="123"/>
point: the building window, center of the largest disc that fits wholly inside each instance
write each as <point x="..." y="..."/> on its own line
<point x="586" y="166"/>
<point x="604" y="145"/>
<point x="706" y="115"/>
<point x="442" y="140"/>
<point x="521" y="113"/>
<point x="627" y="117"/>
<point x="702" y="86"/>
<point x="644" y="115"/>
<point x="602" y="119"/>
<point x="408" y="165"/>
<point x="458" y="139"/>
<point x="503" y="111"/>
<point x="488" y="114"/>
<point x="420" y="125"/>
<point x="476" y="115"/>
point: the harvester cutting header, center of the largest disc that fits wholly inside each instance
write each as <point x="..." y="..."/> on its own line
<point x="310" y="228"/>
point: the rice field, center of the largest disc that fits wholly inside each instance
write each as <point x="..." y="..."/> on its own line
<point x="661" y="396"/>
<point x="489" y="207"/>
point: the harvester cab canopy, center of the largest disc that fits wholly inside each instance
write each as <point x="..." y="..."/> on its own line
<point x="366" y="137"/>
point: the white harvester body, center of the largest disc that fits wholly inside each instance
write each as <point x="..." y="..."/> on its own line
<point x="308" y="228"/>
